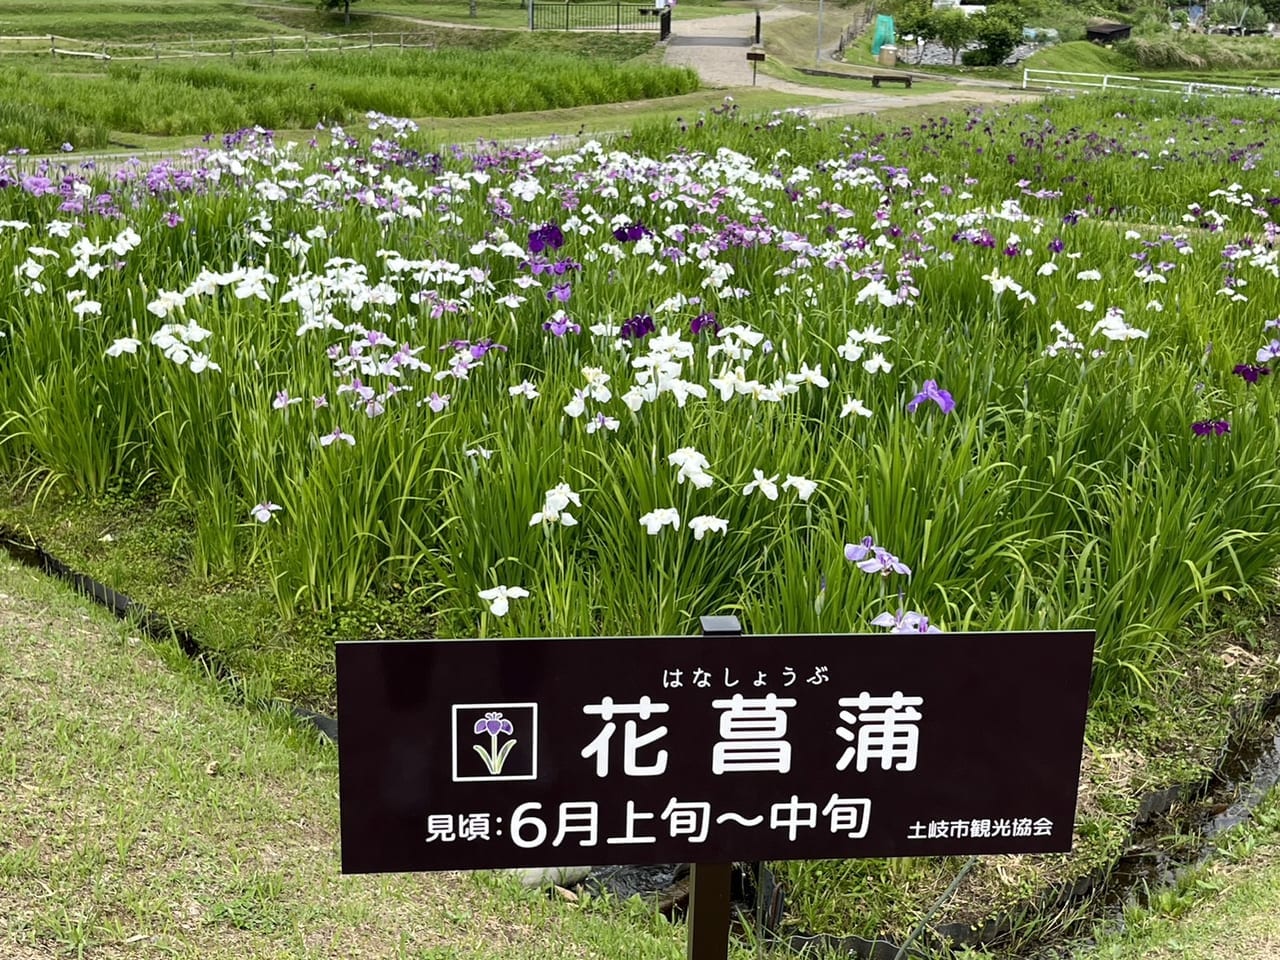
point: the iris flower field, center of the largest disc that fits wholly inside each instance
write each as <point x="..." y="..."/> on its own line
<point x="995" y="371"/>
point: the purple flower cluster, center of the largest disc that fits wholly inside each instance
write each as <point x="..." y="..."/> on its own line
<point x="871" y="558"/>
<point x="558" y="268"/>
<point x="1207" y="428"/>
<point x="477" y="349"/>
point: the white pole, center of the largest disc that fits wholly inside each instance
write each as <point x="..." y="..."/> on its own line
<point x="817" y="55"/>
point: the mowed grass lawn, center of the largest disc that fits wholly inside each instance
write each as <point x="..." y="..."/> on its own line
<point x="142" y="814"/>
<point x="157" y="20"/>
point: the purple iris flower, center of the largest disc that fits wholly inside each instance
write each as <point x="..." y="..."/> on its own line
<point x="630" y="233"/>
<point x="636" y="328"/>
<point x="561" y="324"/>
<point x="883" y="562"/>
<point x="549" y="236"/>
<point x="560" y="292"/>
<point x="494" y="724"/>
<point x="1206" y="428"/>
<point x="853" y="552"/>
<point x="702" y="321"/>
<point x="931" y="392"/>
<point x="900" y="621"/>
<point x="1251" y="372"/>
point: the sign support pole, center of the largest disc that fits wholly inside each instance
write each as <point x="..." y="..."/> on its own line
<point x="709" y="882"/>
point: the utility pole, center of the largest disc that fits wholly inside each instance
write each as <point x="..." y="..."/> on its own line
<point x="817" y="54"/>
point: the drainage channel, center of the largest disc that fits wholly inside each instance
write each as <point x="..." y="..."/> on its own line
<point x="155" y="626"/>
<point x="1198" y="814"/>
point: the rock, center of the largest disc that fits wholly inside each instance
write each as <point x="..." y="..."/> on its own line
<point x="534" y="877"/>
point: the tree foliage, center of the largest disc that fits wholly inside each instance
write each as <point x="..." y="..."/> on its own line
<point x="997" y="35"/>
<point x="952" y="29"/>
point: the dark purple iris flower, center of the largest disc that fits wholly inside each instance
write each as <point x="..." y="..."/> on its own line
<point x="702" y="321"/>
<point x="1056" y="245"/>
<point x="1250" y="371"/>
<point x="1206" y="428"/>
<point x="630" y="233"/>
<point x="637" y="327"/>
<point x="549" y="236"/>
<point x="493" y="724"/>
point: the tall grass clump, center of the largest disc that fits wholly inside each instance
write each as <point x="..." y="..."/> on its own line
<point x="169" y="99"/>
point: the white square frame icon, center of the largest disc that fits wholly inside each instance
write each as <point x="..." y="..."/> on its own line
<point x="533" y="767"/>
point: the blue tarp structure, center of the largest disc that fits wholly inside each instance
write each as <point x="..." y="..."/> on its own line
<point x="884" y="34"/>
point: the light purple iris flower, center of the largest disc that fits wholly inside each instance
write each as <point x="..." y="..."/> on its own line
<point x="494" y="724"/>
<point x="931" y="392"/>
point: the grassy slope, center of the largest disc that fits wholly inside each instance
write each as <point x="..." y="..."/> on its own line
<point x="141" y="814"/>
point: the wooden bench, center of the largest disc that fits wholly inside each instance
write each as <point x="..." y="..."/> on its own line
<point x="879" y="78"/>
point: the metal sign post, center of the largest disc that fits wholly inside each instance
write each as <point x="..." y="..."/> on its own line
<point x="709" y="907"/>
<point x="755" y="56"/>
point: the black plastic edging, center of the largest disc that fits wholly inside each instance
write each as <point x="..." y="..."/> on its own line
<point x="154" y="625"/>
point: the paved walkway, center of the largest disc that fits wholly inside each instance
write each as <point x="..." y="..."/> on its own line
<point x="716" y="48"/>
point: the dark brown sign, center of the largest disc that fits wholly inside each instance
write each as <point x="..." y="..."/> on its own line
<point x="756" y="55"/>
<point x="517" y="753"/>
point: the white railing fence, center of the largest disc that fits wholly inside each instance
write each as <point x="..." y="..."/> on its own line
<point x="1070" y="80"/>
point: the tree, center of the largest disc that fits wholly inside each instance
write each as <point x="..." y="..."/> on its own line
<point x="998" y="37"/>
<point x="335" y="4"/>
<point x="952" y="29"/>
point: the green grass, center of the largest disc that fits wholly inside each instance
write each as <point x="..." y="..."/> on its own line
<point x="159" y="20"/>
<point x="145" y="815"/>
<point x="203" y="97"/>
<point x="1078" y="56"/>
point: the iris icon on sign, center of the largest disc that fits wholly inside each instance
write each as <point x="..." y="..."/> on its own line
<point x="495" y="741"/>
